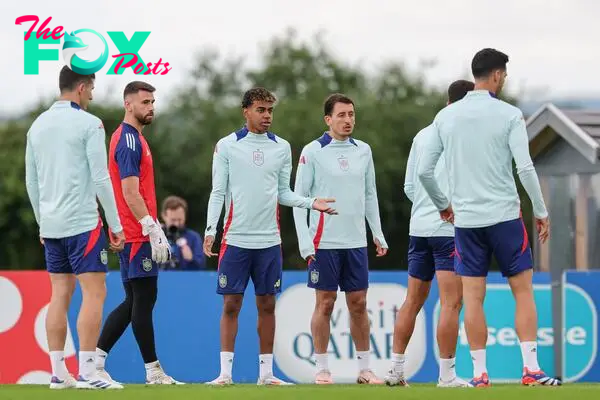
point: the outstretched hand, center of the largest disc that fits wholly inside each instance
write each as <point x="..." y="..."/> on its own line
<point x="323" y="206"/>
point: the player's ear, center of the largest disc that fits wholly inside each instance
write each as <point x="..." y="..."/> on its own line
<point x="327" y="120"/>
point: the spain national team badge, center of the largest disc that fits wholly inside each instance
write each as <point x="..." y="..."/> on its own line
<point x="222" y="280"/>
<point x="258" y="157"/>
<point x="314" y="276"/>
<point x="104" y="257"/>
<point x="147" y="264"/>
<point x="344" y="165"/>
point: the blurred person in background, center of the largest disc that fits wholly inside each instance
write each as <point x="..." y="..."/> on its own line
<point x="186" y="244"/>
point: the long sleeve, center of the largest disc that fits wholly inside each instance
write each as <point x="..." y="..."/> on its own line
<point x="519" y="147"/>
<point x="98" y="163"/>
<point x="220" y="179"/>
<point x="372" y="203"/>
<point x="432" y="150"/>
<point x="409" y="184"/>
<point x="286" y="196"/>
<point x="302" y="186"/>
<point x="31" y="180"/>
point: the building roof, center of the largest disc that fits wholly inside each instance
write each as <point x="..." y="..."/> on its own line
<point x="579" y="128"/>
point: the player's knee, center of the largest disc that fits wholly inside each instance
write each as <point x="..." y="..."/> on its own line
<point x="265" y="305"/>
<point x="96" y="293"/>
<point x="325" y="305"/>
<point x="452" y="305"/>
<point x="232" y="306"/>
<point x="357" y="304"/>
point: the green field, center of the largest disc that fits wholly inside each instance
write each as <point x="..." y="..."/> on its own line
<point x="312" y="392"/>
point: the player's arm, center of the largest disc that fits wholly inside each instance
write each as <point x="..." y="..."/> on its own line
<point x="519" y="147"/>
<point x="97" y="161"/>
<point x="286" y="196"/>
<point x="290" y="199"/>
<point x="220" y="180"/>
<point x="409" y="183"/>
<point x="31" y="180"/>
<point x="372" y="207"/>
<point x="432" y="150"/>
<point x="302" y="186"/>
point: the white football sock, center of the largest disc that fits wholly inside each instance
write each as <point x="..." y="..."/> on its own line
<point x="398" y="363"/>
<point x="87" y="364"/>
<point x="266" y="365"/>
<point x="57" y="361"/>
<point x="226" y="363"/>
<point x="322" y="362"/>
<point x="529" y="353"/>
<point x="447" y="369"/>
<point x="100" y="358"/>
<point x="363" y="360"/>
<point x="479" y="363"/>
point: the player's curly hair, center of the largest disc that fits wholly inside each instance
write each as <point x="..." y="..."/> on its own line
<point x="257" y="94"/>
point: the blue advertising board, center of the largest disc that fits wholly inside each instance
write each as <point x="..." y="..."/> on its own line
<point x="188" y="310"/>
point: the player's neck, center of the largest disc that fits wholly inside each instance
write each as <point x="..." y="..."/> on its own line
<point x="337" y="136"/>
<point x="72" y="97"/>
<point x="485" y="85"/>
<point x="133" y="122"/>
<point x="255" y="131"/>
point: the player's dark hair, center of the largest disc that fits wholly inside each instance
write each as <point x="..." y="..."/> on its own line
<point x="459" y="89"/>
<point x="257" y="94"/>
<point x="174" y="203"/>
<point x="69" y="79"/>
<point x="136" y="86"/>
<point x="486" y="61"/>
<point x="332" y="100"/>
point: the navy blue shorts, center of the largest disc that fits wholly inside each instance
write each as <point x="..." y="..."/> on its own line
<point x="77" y="254"/>
<point x="346" y="268"/>
<point x="507" y="241"/>
<point x="136" y="261"/>
<point x="429" y="254"/>
<point x="238" y="265"/>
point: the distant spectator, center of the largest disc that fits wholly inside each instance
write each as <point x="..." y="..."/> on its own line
<point x="186" y="244"/>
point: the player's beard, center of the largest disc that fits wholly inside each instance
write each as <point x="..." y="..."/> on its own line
<point x="145" y="120"/>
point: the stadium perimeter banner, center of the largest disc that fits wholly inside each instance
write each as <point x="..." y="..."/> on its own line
<point x="187" y="320"/>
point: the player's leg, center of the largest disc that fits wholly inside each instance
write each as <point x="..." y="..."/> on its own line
<point x="266" y="272"/>
<point x="421" y="270"/>
<point x="354" y="281"/>
<point x="472" y="259"/>
<point x="233" y="274"/>
<point x="63" y="285"/>
<point x="143" y="278"/>
<point x="88" y="257"/>
<point x="323" y="276"/>
<point x="118" y="320"/>
<point x="450" y="289"/>
<point x="513" y="253"/>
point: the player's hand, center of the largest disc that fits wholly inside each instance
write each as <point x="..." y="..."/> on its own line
<point x="447" y="214"/>
<point x="543" y="228"/>
<point x="207" y="246"/>
<point x="311" y="259"/>
<point x="42" y="240"/>
<point x="381" y="251"/>
<point x="323" y="206"/>
<point x="117" y="241"/>
<point x="161" y="250"/>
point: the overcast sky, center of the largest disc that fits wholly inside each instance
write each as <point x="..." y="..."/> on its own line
<point x="553" y="44"/>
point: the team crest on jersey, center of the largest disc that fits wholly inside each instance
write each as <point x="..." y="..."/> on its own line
<point x="222" y="280"/>
<point x="147" y="264"/>
<point x="314" y="276"/>
<point x="343" y="162"/>
<point x="104" y="257"/>
<point x="258" y="157"/>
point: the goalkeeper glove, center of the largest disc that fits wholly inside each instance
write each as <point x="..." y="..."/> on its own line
<point x="161" y="250"/>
